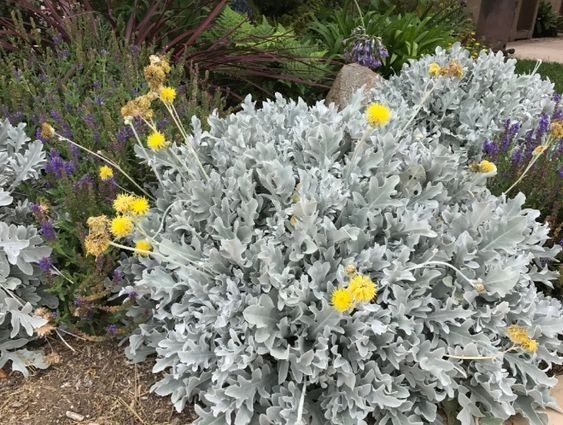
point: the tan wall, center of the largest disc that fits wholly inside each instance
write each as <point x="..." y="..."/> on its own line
<point x="475" y="5"/>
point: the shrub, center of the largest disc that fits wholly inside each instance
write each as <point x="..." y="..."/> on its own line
<point x="290" y="208"/>
<point x="78" y="87"/>
<point x="21" y="251"/>
<point x="468" y="110"/>
<point x="548" y="21"/>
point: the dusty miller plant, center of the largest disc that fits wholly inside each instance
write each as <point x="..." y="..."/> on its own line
<point x="235" y="296"/>
<point x="21" y="248"/>
<point x="465" y="111"/>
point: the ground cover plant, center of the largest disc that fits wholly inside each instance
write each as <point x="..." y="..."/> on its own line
<point x="320" y="266"/>
<point x="23" y="254"/>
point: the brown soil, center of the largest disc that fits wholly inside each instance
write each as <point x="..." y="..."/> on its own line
<point x="95" y="382"/>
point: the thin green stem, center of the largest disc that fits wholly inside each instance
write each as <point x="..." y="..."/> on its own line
<point x="360" y="13"/>
<point x="107" y="161"/>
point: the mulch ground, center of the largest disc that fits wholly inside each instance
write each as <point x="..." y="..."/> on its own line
<point x="95" y="382"/>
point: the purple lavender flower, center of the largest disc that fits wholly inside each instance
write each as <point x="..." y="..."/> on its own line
<point x="543" y="125"/>
<point x="117" y="276"/>
<point x="517" y="157"/>
<point x="45" y="264"/>
<point x="82" y="183"/>
<point x="35" y="208"/>
<point x="78" y="301"/>
<point x="48" y="231"/>
<point x="561" y="172"/>
<point x="111" y="329"/>
<point x="57" y="166"/>
<point x="132" y="295"/>
<point x="514" y="129"/>
<point x="556" y="97"/>
<point x="490" y="148"/>
<point x="57" y="39"/>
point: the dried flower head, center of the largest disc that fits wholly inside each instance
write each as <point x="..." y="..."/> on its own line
<point x="98" y="239"/>
<point x="479" y="287"/>
<point x="156" y="72"/>
<point x="45" y="330"/>
<point x="454" y="69"/>
<point x="138" y="107"/>
<point x="350" y="269"/>
<point x="556" y="129"/>
<point x="47" y="131"/>
<point x="539" y="150"/>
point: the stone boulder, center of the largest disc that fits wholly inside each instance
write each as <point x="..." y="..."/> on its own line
<point x="349" y="79"/>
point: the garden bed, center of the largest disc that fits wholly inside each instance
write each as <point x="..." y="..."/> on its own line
<point x="95" y="382"/>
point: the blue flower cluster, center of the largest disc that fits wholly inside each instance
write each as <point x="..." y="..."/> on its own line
<point x="365" y="50"/>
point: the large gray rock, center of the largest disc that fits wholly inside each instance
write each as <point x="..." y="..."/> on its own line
<point x="351" y="78"/>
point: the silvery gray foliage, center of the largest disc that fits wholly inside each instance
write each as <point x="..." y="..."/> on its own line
<point x="21" y="247"/>
<point x="236" y="300"/>
<point x="466" y="111"/>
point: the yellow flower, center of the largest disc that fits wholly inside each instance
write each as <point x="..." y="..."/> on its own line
<point x="156" y="141"/>
<point x="47" y="131"/>
<point x="341" y="300"/>
<point x="122" y="203"/>
<point x="434" y="69"/>
<point x="487" y="167"/>
<point x="105" y="173"/>
<point x="121" y="226"/>
<point x="556" y="129"/>
<point x="142" y="248"/>
<point x="139" y="206"/>
<point x="167" y="94"/>
<point x="531" y="345"/>
<point x="539" y="150"/>
<point x="377" y="114"/>
<point x="362" y="288"/>
<point x="517" y="334"/>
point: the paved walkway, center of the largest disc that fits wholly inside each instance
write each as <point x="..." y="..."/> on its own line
<point x="546" y="49"/>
